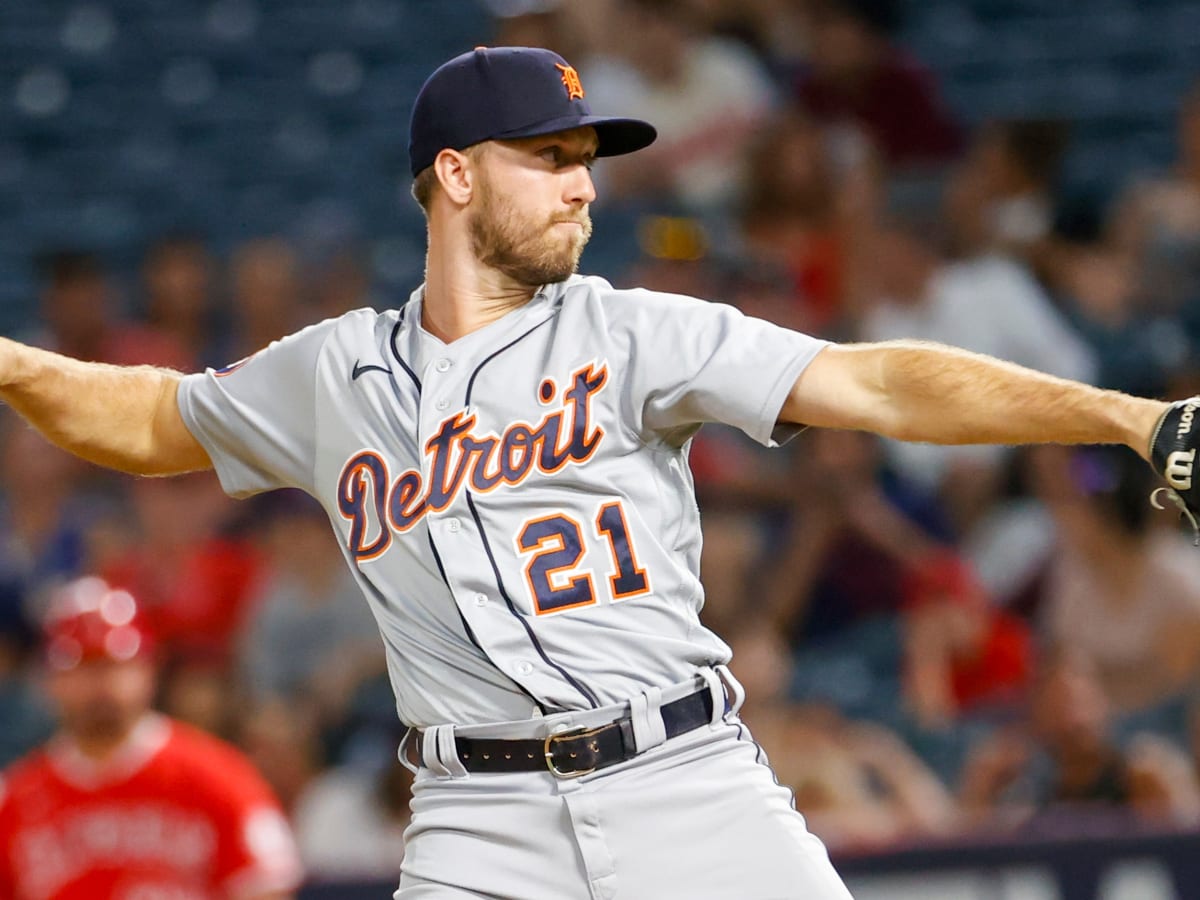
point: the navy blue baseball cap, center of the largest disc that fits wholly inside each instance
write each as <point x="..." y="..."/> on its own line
<point x="495" y="93"/>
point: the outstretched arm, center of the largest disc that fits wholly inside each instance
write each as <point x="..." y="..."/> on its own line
<point x="917" y="391"/>
<point x="122" y="417"/>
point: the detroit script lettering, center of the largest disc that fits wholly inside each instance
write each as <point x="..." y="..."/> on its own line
<point x="377" y="506"/>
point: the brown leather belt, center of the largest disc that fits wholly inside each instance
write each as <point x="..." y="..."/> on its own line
<point x="578" y="751"/>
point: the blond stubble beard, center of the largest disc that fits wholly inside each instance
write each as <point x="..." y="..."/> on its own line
<point x="523" y="250"/>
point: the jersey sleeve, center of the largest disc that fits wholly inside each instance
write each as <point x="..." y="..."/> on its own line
<point x="693" y="361"/>
<point x="256" y="850"/>
<point x="256" y="418"/>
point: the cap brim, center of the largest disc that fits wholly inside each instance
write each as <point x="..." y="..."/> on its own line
<point x="617" y="136"/>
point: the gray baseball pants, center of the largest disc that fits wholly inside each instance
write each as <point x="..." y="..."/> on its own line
<point x="700" y="816"/>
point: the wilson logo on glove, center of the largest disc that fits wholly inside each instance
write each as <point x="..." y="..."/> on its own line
<point x="1186" y="419"/>
<point x="1173" y="454"/>
<point x="1178" y="470"/>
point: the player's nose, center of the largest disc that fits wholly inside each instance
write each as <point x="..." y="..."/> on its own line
<point x="579" y="187"/>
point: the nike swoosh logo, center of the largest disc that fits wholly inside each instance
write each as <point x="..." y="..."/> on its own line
<point x="359" y="369"/>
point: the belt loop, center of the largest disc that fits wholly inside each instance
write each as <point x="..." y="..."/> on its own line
<point x="645" y="715"/>
<point x="440" y="754"/>
<point x="402" y="752"/>
<point x="736" y="691"/>
<point x="716" y="687"/>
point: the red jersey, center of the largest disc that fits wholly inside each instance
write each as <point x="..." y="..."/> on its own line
<point x="174" y="814"/>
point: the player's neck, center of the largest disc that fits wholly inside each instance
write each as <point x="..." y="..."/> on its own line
<point x="463" y="295"/>
<point x="100" y="747"/>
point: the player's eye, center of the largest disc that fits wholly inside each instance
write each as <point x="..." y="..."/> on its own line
<point x="560" y="158"/>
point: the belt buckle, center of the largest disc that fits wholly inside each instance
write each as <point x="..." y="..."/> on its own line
<point x="577" y="732"/>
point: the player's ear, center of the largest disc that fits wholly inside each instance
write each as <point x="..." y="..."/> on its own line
<point x="455" y="173"/>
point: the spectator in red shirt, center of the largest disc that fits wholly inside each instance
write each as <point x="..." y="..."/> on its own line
<point x="123" y="802"/>
<point x="962" y="654"/>
<point x="859" y="78"/>
<point x="194" y="579"/>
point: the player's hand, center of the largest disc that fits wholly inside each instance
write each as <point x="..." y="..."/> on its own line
<point x="1173" y="449"/>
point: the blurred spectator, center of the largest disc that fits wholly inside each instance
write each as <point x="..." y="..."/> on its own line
<point x="1157" y="222"/>
<point x="1121" y="593"/>
<point x="863" y="545"/>
<point x="27" y="720"/>
<point x="81" y="316"/>
<point x="193" y="578"/>
<point x="1064" y="762"/>
<point x="342" y="282"/>
<point x="268" y="295"/>
<point x="857" y="784"/>
<point x="177" y="279"/>
<point x="776" y="30"/>
<point x="350" y="824"/>
<point x="552" y="24"/>
<point x="202" y="691"/>
<point x="1010" y="544"/>
<point x="311" y="639"/>
<point x="962" y="654"/>
<point x="125" y="802"/>
<point x="859" y="81"/>
<point x="986" y="304"/>
<point x="730" y="559"/>
<point x="1001" y="199"/>
<point x="676" y="256"/>
<point x="703" y="94"/>
<point x="1138" y="349"/>
<point x="806" y="212"/>
<point x="282" y="743"/>
<point x="43" y="523"/>
<point x="769" y="290"/>
<point x="44" y="516"/>
<point x="856" y="531"/>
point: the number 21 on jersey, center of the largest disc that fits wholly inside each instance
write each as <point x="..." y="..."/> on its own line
<point x="555" y="545"/>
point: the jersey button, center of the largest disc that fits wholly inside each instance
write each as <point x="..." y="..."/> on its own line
<point x="523" y="667"/>
<point x="481" y="600"/>
<point x="442" y="365"/>
<point x="453" y="525"/>
<point x="442" y="405"/>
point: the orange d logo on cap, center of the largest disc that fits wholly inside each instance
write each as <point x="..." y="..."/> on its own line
<point x="570" y="80"/>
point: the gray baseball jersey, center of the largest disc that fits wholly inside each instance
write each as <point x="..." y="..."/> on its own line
<point x="516" y="505"/>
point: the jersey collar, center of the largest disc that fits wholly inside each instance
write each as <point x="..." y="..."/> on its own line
<point x="143" y="743"/>
<point x="541" y="306"/>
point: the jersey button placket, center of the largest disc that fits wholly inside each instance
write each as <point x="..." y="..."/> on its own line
<point x="442" y="366"/>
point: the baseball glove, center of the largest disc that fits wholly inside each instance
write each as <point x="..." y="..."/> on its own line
<point x="1173" y="455"/>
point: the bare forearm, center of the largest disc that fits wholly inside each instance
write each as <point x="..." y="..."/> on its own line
<point x="116" y="416"/>
<point x="925" y="392"/>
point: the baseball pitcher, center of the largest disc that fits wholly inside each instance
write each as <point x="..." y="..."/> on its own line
<point x="504" y="461"/>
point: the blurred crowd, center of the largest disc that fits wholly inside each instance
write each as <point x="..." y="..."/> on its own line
<point x="936" y="641"/>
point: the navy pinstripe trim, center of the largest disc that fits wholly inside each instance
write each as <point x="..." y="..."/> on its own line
<point x="760" y="757"/>
<point x="479" y="368"/>
<point x="587" y="695"/>
<point x="396" y="351"/>
<point x="470" y="633"/>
